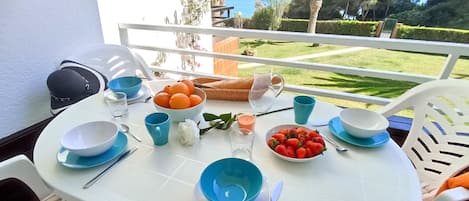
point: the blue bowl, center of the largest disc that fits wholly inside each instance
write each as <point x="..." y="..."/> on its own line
<point x="129" y="85"/>
<point x="231" y="179"/>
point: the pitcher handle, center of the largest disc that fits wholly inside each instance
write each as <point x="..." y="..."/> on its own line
<point x="275" y="80"/>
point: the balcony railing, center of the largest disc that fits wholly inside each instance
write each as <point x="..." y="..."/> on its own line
<point x="452" y="50"/>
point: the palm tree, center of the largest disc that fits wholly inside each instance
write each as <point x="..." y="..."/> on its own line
<point x="314" y="7"/>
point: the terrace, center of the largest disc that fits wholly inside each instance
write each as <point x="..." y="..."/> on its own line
<point x="20" y="137"/>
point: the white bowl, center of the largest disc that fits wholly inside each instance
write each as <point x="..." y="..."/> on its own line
<point x="178" y="115"/>
<point x="90" y="139"/>
<point x="362" y="123"/>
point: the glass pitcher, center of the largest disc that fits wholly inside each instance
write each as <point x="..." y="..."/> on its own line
<point x="265" y="89"/>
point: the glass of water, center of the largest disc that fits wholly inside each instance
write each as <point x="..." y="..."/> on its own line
<point x="117" y="104"/>
<point x="241" y="140"/>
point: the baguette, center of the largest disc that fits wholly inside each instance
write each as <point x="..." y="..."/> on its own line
<point x="243" y="83"/>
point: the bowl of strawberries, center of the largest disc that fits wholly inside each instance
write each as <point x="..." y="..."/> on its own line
<point x="295" y="143"/>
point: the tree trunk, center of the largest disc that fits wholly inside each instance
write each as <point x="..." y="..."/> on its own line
<point x="346" y="9"/>
<point x="388" y="5"/>
<point x="314" y="6"/>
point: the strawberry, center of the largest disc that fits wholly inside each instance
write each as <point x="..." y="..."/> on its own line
<point x="273" y="143"/>
<point x="281" y="149"/>
<point x="291" y="152"/>
<point x="292" y="130"/>
<point x="308" y="152"/>
<point x="300" y="152"/>
<point x="316" y="148"/>
<point x="301" y="130"/>
<point x="283" y="131"/>
<point x="294" y="142"/>
<point x="309" y="144"/>
<point x="319" y="140"/>
<point x="313" y="134"/>
<point x="280" y="138"/>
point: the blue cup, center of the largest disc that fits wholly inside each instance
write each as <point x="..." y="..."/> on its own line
<point x="158" y="126"/>
<point x="303" y="106"/>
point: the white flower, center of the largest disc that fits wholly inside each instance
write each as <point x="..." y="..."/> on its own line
<point x="188" y="131"/>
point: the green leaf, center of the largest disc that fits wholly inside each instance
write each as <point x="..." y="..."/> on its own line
<point x="210" y="117"/>
<point x="225" y="117"/>
<point x="228" y="124"/>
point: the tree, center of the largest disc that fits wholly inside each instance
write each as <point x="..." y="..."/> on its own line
<point x="437" y="13"/>
<point x="314" y="7"/>
<point x="366" y="6"/>
<point x="277" y="8"/>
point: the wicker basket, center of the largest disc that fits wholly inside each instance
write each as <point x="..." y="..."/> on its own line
<point x="222" y="94"/>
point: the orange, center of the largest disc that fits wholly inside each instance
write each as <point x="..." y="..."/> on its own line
<point x="179" y="88"/>
<point x="166" y="88"/>
<point x="189" y="84"/>
<point x="195" y="99"/>
<point x="179" y="101"/>
<point x="162" y="99"/>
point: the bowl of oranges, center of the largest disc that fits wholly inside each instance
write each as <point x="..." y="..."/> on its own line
<point x="180" y="100"/>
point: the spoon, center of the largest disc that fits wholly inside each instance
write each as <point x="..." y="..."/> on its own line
<point x="144" y="101"/>
<point x="337" y="146"/>
<point x="126" y="129"/>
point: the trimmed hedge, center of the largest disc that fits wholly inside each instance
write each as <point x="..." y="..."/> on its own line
<point x="340" y="27"/>
<point x="368" y="28"/>
<point x="433" y="34"/>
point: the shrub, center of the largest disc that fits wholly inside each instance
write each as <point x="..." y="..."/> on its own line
<point x="295" y="25"/>
<point x="341" y="27"/>
<point x="261" y="19"/>
<point x="433" y="34"/>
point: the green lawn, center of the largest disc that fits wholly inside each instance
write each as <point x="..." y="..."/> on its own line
<point x="397" y="61"/>
<point x="283" y="49"/>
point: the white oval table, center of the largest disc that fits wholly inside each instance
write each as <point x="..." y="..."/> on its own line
<point x="170" y="172"/>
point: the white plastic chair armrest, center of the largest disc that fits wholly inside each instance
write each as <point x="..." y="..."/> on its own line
<point x="142" y="65"/>
<point x="20" y="167"/>
<point x="454" y="194"/>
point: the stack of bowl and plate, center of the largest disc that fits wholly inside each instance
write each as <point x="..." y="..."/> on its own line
<point x="91" y="144"/>
<point x="131" y="86"/>
<point x="360" y="127"/>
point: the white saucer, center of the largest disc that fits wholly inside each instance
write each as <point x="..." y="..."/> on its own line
<point x="263" y="195"/>
<point x="141" y="93"/>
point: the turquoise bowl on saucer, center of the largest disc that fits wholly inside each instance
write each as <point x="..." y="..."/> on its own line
<point x="231" y="179"/>
<point x="130" y="85"/>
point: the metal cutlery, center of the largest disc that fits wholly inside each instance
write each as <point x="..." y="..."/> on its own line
<point x="97" y="177"/>
<point x="141" y="101"/>
<point x="126" y="129"/>
<point x="275" y="195"/>
<point x="336" y="145"/>
<point x="274" y="111"/>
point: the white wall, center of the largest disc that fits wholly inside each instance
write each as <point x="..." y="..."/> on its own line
<point x="34" y="36"/>
<point x="113" y="12"/>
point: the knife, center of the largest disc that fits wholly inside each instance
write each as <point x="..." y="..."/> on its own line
<point x="97" y="177"/>
<point x="277" y="191"/>
<point x="273" y="111"/>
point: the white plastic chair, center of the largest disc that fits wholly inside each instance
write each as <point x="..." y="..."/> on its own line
<point x="438" y="141"/>
<point x="112" y="60"/>
<point x="21" y="168"/>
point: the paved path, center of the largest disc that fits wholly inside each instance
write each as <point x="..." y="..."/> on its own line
<point x="309" y="56"/>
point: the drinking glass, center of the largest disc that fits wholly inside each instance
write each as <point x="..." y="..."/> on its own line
<point x="117" y="104"/>
<point x="241" y="140"/>
<point x="265" y="89"/>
